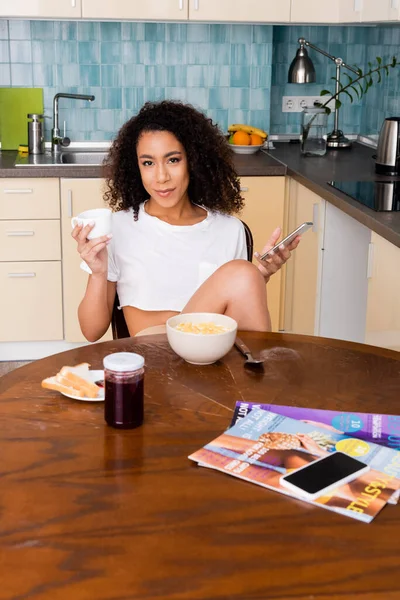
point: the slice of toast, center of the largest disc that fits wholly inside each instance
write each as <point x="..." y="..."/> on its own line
<point x="51" y="383"/>
<point x="75" y="376"/>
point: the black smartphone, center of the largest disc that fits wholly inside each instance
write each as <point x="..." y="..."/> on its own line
<point x="321" y="476"/>
<point x="289" y="238"/>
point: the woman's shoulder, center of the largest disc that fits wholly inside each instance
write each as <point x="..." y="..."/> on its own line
<point x="229" y="221"/>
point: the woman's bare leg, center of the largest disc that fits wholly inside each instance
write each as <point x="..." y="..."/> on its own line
<point x="236" y="289"/>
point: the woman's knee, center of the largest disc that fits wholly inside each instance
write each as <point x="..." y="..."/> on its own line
<point x="242" y="272"/>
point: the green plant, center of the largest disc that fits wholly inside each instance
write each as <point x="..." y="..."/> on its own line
<point x="354" y="84"/>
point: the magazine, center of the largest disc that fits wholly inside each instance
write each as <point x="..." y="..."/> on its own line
<point x="370" y="427"/>
<point x="264" y="445"/>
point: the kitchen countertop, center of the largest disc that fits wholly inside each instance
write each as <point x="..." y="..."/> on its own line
<point x="354" y="164"/>
<point x="257" y="165"/>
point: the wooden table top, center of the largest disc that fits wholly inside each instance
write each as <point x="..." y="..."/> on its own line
<point x="90" y="512"/>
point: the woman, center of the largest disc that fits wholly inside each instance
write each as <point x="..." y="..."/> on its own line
<point x="175" y="246"/>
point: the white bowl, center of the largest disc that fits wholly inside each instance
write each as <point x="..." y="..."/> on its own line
<point x="198" y="348"/>
<point x="245" y="149"/>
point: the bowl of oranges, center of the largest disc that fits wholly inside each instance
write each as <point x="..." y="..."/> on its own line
<point x="245" y="139"/>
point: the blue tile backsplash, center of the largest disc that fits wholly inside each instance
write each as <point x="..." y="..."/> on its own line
<point x="234" y="73"/>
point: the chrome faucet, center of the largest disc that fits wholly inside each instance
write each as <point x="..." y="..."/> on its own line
<point x="57" y="140"/>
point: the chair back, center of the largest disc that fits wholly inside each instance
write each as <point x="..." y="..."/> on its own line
<point x="118" y="324"/>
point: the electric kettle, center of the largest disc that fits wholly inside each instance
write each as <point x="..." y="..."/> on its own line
<point x="388" y="151"/>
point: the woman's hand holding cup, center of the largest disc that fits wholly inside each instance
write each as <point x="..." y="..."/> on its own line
<point x="92" y="232"/>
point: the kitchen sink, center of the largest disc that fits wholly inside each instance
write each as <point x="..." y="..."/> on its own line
<point x="82" y="158"/>
<point x="66" y="158"/>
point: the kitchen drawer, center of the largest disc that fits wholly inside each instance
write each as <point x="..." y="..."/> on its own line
<point x="29" y="198"/>
<point x="30" y="301"/>
<point x="30" y="240"/>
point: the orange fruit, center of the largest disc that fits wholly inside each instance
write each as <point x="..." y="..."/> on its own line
<point x="241" y="138"/>
<point x="255" y="140"/>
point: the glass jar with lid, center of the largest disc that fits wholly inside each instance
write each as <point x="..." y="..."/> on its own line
<point x="124" y="390"/>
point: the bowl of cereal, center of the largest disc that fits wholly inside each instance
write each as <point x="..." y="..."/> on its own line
<point x="201" y="338"/>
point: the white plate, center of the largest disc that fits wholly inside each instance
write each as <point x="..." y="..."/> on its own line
<point x="245" y="149"/>
<point x="92" y="376"/>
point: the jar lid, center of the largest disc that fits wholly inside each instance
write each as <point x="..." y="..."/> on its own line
<point x="123" y="361"/>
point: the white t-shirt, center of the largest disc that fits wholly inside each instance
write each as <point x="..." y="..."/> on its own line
<point x="158" y="266"/>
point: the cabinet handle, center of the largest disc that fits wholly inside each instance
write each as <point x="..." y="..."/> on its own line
<point x="196" y="4"/>
<point x="21" y="274"/>
<point x="23" y="191"/>
<point x="73" y="3"/>
<point x="357" y="5"/>
<point x="370" y="263"/>
<point x="244" y="189"/>
<point x="395" y="4"/>
<point x="69" y="203"/>
<point x="180" y="4"/>
<point x="19" y="233"/>
<point x="315" y="216"/>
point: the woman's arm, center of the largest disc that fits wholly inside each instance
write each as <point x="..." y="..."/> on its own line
<point x="95" y="310"/>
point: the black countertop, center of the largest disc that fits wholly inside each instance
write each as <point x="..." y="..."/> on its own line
<point x="354" y="164"/>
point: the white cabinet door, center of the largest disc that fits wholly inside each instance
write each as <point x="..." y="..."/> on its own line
<point x="344" y="283"/>
<point x="250" y="11"/>
<point x="314" y="11"/>
<point x="77" y="195"/>
<point x="41" y="8"/>
<point x="383" y="307"/>
<point x="350" y="11"/>
<point x="152" y="10"/>
<point x="375" y="10"/>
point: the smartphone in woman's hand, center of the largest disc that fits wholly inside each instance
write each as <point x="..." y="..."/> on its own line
<point x="289" y="239"/>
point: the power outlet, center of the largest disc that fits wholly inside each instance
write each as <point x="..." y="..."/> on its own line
<point x="296" y="104"/>
<point x="289" y="104"/>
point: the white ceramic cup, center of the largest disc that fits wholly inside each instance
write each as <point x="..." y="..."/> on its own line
<point x="101" y="217"/>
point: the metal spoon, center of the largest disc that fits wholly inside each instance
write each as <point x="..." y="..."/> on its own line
<point x="243" y="349"/>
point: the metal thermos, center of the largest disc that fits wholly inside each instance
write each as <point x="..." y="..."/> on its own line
<point x="35" y="134"/>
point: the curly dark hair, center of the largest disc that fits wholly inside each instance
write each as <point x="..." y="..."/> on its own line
<point x="213" y="181"/>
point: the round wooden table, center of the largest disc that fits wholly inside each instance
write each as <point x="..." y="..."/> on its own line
<point x="90" y="512"/>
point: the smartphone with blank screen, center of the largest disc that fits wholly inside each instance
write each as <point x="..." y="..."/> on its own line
<point x="288" y="239"/>
<point x="324" y="474"/>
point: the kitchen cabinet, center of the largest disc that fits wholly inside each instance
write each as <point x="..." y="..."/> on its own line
<point x="344" y="281"/>
<point x="77" y="195"/>
<point x="394" y="10"/>
<point x="30" y="260"/>
<point x="375" y="11"/>
<point x="70" y="9"/>
<point x="264" y="211"/>
<point x="314" y="11"/>
<point x="303" y="270"/>
<point x="350" y="11"/>
<point x="151" y="10"/>
<point x="267" y="11"/>
<point x="326" y="278"/>
<point x="383" y="305"/>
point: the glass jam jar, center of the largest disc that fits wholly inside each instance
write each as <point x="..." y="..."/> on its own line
<point x="124" y="389"/>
